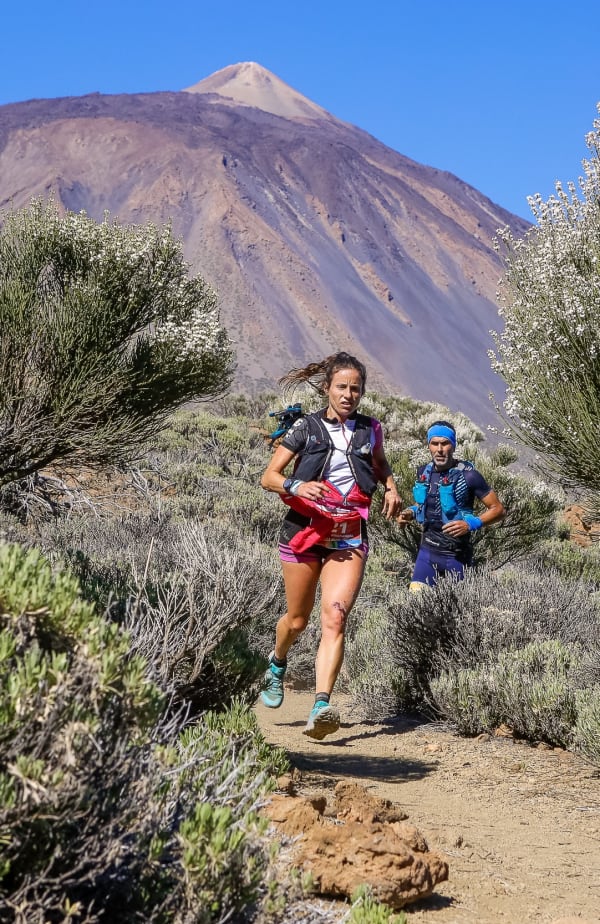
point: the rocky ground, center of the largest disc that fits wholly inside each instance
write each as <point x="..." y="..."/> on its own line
<point x="519" y="826"/>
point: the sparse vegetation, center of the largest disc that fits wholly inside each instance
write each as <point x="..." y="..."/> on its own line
<point x="365" y="910"/>
<point x="185" y="579"/>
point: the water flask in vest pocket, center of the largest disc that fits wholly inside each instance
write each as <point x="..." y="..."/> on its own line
<point x="448" y="500"/>
<point x="420" y="492"/>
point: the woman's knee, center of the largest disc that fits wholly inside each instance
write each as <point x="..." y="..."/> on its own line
<point x="334" y="617"/>
<point x="296" y="622"/>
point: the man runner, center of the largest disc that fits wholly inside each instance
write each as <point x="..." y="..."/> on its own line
<point x="444" y="495"/>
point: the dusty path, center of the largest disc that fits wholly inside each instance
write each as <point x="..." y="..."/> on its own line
<point x="519" y="826"/>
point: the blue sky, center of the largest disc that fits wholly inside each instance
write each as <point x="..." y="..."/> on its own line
<point x="500" y="94"/>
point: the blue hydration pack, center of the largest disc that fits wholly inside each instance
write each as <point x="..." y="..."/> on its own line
<point x="450" y="485"/>
<point x="285" y="420"/>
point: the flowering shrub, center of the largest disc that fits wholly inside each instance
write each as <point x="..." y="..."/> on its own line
<point x="102" y="334"/>
<point x="549" y="348"/>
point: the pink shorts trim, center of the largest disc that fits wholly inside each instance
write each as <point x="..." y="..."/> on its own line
<point x="316" y="552"/>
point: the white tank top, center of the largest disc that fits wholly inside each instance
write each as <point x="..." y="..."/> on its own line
<point x="338" y="471"/>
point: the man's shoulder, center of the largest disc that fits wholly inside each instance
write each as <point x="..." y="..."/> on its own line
<point x="462" y="465"/>
<point x="474" y="478"/>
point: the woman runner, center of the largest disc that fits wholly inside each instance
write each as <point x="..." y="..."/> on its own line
<point x="339" y="461"/>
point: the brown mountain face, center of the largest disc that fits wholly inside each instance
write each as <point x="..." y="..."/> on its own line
<point x="316" y="236"/>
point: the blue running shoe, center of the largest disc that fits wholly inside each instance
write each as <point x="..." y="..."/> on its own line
<point x="323" y="720"/>
<point x="272" y="691"/>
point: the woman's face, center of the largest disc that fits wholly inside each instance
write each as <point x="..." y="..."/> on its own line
<point x="344" y="392"/>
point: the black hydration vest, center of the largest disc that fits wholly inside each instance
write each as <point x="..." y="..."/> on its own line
<point x="313" y="457"/>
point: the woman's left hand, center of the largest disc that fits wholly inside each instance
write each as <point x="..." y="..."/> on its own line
<point x="391" y="503"/>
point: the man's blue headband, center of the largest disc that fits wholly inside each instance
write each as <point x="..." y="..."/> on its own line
<point x="444" y="433"/>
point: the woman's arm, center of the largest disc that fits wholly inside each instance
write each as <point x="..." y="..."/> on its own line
<point x="391" y="498"/>
<point x="273" y="477"/>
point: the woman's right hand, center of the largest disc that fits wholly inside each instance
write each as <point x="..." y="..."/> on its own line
<point x="311" y="490"/>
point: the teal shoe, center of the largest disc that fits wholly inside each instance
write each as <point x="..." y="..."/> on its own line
<point x="323" y="720"/>
<point x="272" y="691"/>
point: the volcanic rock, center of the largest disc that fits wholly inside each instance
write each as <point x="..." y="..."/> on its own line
<point x="351" y="848"/>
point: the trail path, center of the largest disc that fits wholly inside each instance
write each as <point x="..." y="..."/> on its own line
<point x="518" y="825"/>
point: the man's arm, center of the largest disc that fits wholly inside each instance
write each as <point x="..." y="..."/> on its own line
<point x="494" y="510"/>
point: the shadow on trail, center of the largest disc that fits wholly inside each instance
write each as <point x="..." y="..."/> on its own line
<point x="341" y="755"/>
<point x="328" y="761"/>
<point x="397" y="726"/>
<point x="434" y="902"/>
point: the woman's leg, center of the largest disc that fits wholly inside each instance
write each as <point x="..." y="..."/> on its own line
<point x="300" y="579"/>
<point x="341" y="577"/>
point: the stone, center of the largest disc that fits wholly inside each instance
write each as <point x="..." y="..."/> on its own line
<point x="365" y="841"/>
<point x="503" y="731"/>
<point x="342" y="857"/>
<point x="353" y="803"/>
<point x="293" y="814"/>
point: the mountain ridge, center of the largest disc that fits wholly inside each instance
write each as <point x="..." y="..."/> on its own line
<point x="315" y="235"/>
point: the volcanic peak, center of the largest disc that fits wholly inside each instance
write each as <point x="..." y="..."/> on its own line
<point x="250" y="84"/>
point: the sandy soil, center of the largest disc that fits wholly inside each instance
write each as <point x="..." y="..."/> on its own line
<point x="519" y="825"/>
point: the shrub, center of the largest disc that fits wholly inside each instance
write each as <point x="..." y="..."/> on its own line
<point x="108" y="811"/>
<point x="390" y="656"/>
<point x="102" y="334"/>
<point x="587" y="726"/>
<point x="548" y="349"/>
<point x="459" y="625"/>
<point x="377" y="686"/>
<point x="569" y="560"/>
<point x="530" y="689"/>
<point x="366" y="910"/>
<point x="208" y="614"/>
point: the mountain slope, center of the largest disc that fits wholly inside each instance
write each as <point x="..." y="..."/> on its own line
<point x="316" y="236"/>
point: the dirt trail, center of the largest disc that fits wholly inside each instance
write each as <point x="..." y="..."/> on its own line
<point x="519" y="826"/>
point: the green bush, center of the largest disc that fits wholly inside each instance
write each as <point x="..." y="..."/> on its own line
<point x="529" y="689"/>
<point x="109" y="812"/>
<point x="467" y="698"/>
<point x="102" y="334"/>
<point x="587" y="726"/>
<point x="365" y="910"/>
<point x="407" y="640"/>
<point x="569" y="560"/>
